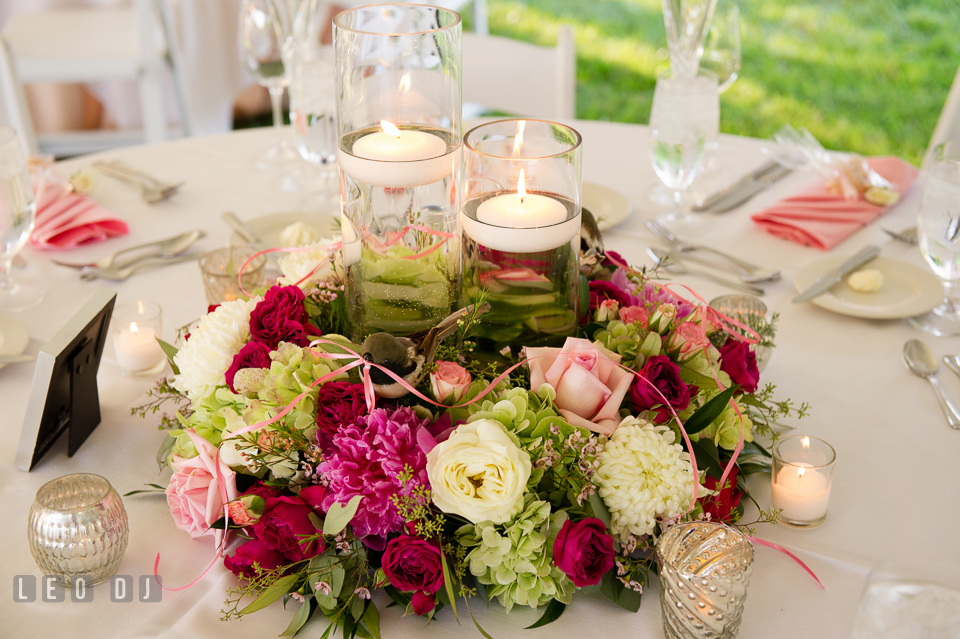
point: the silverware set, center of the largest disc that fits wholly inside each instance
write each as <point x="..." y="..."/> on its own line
<point x="152" y="190"/>
<point x="165" y="251"/>
<point x="734" y="195"/>
<point x="921" y="361"/>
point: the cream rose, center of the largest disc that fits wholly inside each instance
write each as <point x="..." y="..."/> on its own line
<point x="479" y="473"/>
<point x="317" y="261"/>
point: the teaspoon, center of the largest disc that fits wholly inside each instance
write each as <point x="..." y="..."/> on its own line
<point x="921" y="361"/>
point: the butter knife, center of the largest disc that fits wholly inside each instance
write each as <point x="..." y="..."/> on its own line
<point x="736" y="194"/>
<point x="829" y="280"/>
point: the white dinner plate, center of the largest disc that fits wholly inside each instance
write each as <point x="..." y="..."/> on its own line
<point x="13" y="337"/>
<point x="609" y="207"/>
<point x="269" y="227"/>
<point x="907" y="290"/>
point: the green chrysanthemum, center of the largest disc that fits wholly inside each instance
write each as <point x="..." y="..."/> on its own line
<point x="515" y="560"/>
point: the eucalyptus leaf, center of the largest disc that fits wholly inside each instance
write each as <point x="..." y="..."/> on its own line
<point x="339" y="516"/>
<point x="707" y="413"/>
<point x="629" y="600"/>
<point x="277" y="589"/>
<point x="552" y="613"/>
<point x="356" y="607"/>
<point x="316" y="521"/>
<point x="371" y="620"/>
<point x="170" y="351"/>
<point x="600" y="510"/>
<point x="337" y="575"/>
<point x="168" y="443"/>
<point x="299" y="619"/>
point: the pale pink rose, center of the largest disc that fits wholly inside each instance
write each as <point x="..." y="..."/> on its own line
<point x="690" y="338"/>
<point x="194" y="494"/>
<point x="589" y="383"/>
<point x="662" y="316"/>
<point x="634" y="315"/>
<point x="706" y="317"/>
<point x="607" y="310"/>
<point x="449" y="380"/>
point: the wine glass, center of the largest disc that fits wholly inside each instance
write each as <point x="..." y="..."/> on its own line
<point x="939" y="232"/>
<point x="264" y="29"/>
<point x="722" y="51"/>
<point x="17" y="211"/>
<point x="684" y="123"/>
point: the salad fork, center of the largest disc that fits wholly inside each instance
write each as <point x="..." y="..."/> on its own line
<point x="120" y="273"/>
<point x="152" y="191"/>
<point x="167" y="247"/>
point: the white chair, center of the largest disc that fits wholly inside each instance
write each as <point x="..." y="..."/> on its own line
<point x="948" y="125"/>
<point x="521" y="78"/>
<point x="92" y="45"/>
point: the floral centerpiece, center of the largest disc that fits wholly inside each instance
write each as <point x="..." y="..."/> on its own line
<point x="521" y="477"/>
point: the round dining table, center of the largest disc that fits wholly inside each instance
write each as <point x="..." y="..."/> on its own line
<point x="895" y="486"/>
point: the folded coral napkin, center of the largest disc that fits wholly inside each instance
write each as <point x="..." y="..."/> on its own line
<point x="816" y="217"/>
<point x="66" y="220"/>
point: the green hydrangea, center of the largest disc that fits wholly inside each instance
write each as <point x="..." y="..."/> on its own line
<point x="725" y="429"/>
<point x="208" y="420"/>
<point x="632" y="342"/>
<point x="515" y="560"/>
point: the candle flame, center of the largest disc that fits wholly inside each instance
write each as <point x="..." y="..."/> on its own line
<point x="805" y="442"/>
<point x="518" y="141"/>
<point x="390" y="129"/>
<point x="521" y="189"/>
<point x="405" y="83"/>
<point x="133" y="327"/>
<point x="800" y="472"/>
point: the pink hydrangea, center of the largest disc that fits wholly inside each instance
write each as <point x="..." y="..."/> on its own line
<point x="367" y="458"/>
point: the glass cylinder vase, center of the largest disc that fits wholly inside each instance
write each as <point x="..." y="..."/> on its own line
<point x="398" y="110"/>
<point x="520" y="225"/>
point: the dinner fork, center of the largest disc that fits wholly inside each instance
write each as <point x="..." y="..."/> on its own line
<point x="152" y="191"/>
<point x="167" y="247"/>
<point x="118" y="273"/>
<point x="683" y="247"/>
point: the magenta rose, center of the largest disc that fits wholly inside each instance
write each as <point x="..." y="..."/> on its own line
<point x="284" y="523"/>
<point x="583" y="551"/>
<point x="414" y="565"/>
<point x="338" y="404"/>
<point x="252" y="355"/>
<point x="739" y="362"/>
<point x="253" y="552"/>
<point x="601" y="290"/>
<point x="313" y="496"/>
<point x="663" y="375"/>
<point x="281" y="317"/>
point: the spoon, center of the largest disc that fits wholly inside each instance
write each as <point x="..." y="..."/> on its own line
<point x="921" y="361"/>
<point x="164" y="248"/>
<point x="672" y="264"/>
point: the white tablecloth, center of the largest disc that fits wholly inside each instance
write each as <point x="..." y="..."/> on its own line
<point x="894" y="492"/>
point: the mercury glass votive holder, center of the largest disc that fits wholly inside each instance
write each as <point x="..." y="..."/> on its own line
<point x="704" y="570"/>
<point x="801" y="478"/>
<point x="220" y="270"/>
<point x="748" y="311"/>
<point x="77" y="527"/>
<point x="520" y="224"/>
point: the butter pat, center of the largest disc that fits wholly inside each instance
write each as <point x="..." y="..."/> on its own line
<point x="869" y="280"/>
<point x="299" y="234"/>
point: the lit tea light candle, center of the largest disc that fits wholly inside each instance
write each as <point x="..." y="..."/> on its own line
<point x="390" y="144"/>
<point x="521" y="210"/>
<point x="137" y="348"/>
<point x="398" y="158"/>
<point x="801" y="489"/>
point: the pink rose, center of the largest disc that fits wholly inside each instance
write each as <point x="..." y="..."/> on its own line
<point x="690" y="338"/>
<point x="634" y="315"/>
<point x="449" y="380"/>
<point x="589" y="382"/>
<point x="195" y="497"/>
<point x="706" y="317"/>
<point x="607" y="310"/>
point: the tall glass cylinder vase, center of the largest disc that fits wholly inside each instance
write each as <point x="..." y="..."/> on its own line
<point x="521" y="230"/>
<point x="398" y="111"/>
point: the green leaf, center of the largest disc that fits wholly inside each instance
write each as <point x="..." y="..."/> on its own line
<point x="708" y="458"/>
<point x="448" y="583"/>
<point x="753" y="448"/>
<point x="336" y="580"/>
<point x="170" y="351"/>
<point x="472" y="618"/>
<point x="552" y="613"/>
<point x="276" y="590"/>
<point x="339" y="516"/>
<point x="707" y="413"/>
<point x="600" y="510"/>
<point x="753" y="469"/>
<point x="316" y="521"/>
<point x="629" y="600"/>
<point x="399" y="598"/>
<point x="302" y="616"/>
<point x="356" y="607"/>
<point x="690" y="376"/>
<point x="608" y="587"/>
<point x="168" y="443"/>
<point x="371" y="620"/>
<point x="327" y="602"/>
<point x="158" y="489"/>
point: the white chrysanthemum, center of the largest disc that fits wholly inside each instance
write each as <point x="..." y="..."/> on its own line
<point x="643" y="474"/>
<point x="208" y="353"/>
<point x="297" y="265"/>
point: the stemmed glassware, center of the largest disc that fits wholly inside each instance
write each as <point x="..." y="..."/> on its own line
<point x="17" y="211"/>
<point x="264" y="29"/>
<point x="939" y="233"/>
<point x="722" y="50"/>
<point x="684" y="123"/>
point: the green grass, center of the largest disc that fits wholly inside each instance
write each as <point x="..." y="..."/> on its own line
<point x="863" y="75"/>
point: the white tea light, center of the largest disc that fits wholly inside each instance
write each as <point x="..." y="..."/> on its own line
<point x="802" y="476"/>
<point x="398" y="158"/>
<point x="135" y="332"/>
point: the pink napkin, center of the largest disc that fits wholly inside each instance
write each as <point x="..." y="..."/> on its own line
<point x="816" y="217"/>
<point x="66" y="220"/>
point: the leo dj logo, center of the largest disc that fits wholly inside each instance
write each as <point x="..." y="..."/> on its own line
<point x="51" y="591"/>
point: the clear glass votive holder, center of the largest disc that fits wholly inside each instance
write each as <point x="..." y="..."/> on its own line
<point x="77" y="527"/>
<point x="704" y="570"/>
<point x="220" y="270"/>
<point x="750" y="312"/>
<point x="801" y="480"/>
<point x="135" y="328"/>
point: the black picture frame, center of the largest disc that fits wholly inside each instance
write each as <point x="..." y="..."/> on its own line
<point x="64" y="395"/>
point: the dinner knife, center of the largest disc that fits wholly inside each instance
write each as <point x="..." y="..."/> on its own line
<point x="736" y="194"/>
<point x="242" y="230"/>
<point x="829" y="280"/>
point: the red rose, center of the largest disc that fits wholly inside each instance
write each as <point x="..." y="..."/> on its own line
<point x="313" y="496"/>
<point x="338" y="403"/>
<point x="583" y="551"/>
<point x="252" y="355"/>
<point x="414" y="565"/>
<point x="722" y="505"/>
<point x="739" y="362"/>
<point x="280" y="317"/>
<point x="253" y="552"/>
<point x="663" y="375"/>
<point x="285" y="522"/>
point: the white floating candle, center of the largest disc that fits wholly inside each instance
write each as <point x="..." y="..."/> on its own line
<point x="398" y="158"/>
<point x="137" y="348"/>
<point x="802" y="492"/>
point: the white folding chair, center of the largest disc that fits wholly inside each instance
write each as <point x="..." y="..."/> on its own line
<point x="91" y="45"/>
<point x="948" y="124"/>
<point x="521" y="78"/>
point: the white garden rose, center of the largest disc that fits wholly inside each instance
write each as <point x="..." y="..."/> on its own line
<point x="299" y="234"/>
<point x="298" y="265"/>
<point x="479" y="473"/>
